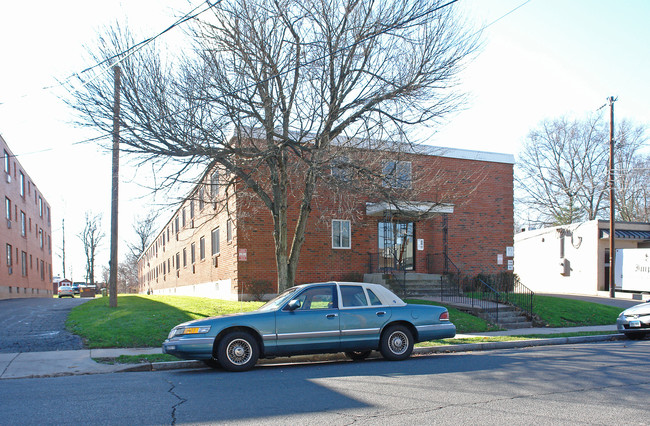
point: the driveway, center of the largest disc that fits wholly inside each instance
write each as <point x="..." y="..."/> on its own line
<point x="37" y="325"/>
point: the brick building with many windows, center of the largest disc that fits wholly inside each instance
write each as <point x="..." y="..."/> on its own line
<point x="25" y="234"/>
<point x="229" y="253"/>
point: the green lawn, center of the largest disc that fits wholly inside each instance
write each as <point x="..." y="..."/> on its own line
<point x="559" y="312"/>
<point x="142" y="321"/>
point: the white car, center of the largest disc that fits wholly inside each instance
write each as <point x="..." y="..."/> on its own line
<point x="66" y="290"/>
<point x="635" y="321"/>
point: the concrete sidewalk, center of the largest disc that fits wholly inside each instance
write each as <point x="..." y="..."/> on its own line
<point x="79" y="362"/>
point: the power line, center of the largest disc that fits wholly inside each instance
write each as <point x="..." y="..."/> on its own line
<point x="89" y="140"/>
<point x="128" y="52"/>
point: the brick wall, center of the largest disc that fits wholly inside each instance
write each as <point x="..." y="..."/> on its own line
<point x="26" y="229"/>
<point x="478" y="231"/>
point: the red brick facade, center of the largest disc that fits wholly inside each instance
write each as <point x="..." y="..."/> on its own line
<point x="477" y="232"/>
<point x="25" y="233"/>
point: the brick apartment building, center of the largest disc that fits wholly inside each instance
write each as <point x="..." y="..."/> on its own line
<point x="220" y="253"/>
<point x="25" y="234"/>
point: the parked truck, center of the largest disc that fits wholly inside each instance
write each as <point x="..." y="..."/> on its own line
<point x="632" y="269"/>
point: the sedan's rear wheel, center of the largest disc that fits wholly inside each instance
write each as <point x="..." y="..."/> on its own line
<point x="396" y="343"/>
<point x="358" y="355"/>
<point x="238" y="351"/>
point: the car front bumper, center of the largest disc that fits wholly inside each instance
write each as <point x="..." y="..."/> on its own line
<point x="627" y="325"/>
<point x="189" y="348"/>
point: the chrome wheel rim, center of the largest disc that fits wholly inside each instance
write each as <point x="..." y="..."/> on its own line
<point x="239" y="352"/>
<point x="398" y="342"/>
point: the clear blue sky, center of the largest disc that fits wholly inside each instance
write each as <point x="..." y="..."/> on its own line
<point x="546" y="59"/>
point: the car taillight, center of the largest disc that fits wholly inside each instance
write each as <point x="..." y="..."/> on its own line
<point x="444" y="316"/>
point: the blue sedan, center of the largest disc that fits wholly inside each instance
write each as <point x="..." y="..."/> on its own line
<point x="354" y="318"/>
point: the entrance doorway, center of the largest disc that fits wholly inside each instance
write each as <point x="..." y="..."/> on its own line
<point x="396" y="245"/>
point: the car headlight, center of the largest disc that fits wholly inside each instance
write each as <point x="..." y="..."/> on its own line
<point x="184" y="331"/>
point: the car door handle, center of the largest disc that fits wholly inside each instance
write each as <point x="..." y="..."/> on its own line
<point x="332" y="315"/>
<point x="381" y="313"/>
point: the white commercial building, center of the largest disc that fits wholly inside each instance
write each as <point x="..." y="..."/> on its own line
<point x="573" y="259"/>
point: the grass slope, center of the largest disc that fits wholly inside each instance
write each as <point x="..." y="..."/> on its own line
<point x="142" y="321"/>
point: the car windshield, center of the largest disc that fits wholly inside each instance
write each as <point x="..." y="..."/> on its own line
<point x="278" y="300"/>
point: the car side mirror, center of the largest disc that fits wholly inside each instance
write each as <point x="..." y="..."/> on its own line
<point x="293" y="305"/>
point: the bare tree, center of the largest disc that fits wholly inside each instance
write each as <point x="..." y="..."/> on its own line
<point x="632" y="179"/>
<point x="276" y="90"/>
<point x="144" y="228"/>
<point x="562" y="171"/>
<point x="91" y="237"/>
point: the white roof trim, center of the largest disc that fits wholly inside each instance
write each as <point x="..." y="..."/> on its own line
<point x="416" y="207"/>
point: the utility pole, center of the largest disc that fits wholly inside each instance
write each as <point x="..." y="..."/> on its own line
<point x="112" y="281"/>
<point x="612" y="237"/>
<point x="63" y="250"/>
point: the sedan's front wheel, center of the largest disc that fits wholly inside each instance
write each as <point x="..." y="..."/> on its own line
<point x="396" y="343"/>
<point x="238" y="351"/>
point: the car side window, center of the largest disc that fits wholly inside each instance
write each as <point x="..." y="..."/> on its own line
<point x="317" y="298"/>
<point x="353" y="295"/>
<point x="374" y="300"/>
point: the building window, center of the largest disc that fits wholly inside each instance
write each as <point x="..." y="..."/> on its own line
<point x="193" y="253"/>
<point x="229" y="230"/>
<point x="178" y="261"/>
<point x="340" y="168"/>
<point x="184" y="257"/>
<point x="202" y="248"/>
<point x="40" y="237"/>
<point x="191" y="209"/>
<point x="215" y="241"/>
<point x="23" y="224"/>
<point x="9" y="257"/>
<point x="42" y="270"/>
<point x="183" y="221"/>
<point x="214" y="184"/>
<point x="8" y="208"/>
<point x="22" y="184"/>
<point x="176" y="224"/>
<point x="7" y="163"/>
<point x="23" y="263"/>
<point x="397" y="174"/>
<point x="340" y="234"/>
<point x="201" y="197"/>
<point x="40" y="206"/>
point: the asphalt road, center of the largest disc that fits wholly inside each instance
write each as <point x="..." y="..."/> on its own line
<point x="603" y="383"/>
<point x="37" y="325"/>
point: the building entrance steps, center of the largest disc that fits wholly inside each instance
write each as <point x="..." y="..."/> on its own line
<point x="508" y="316"/>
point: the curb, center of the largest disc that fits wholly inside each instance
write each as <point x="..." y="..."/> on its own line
<point x="430" y="350"/>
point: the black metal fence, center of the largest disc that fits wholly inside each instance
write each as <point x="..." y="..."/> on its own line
<point x="484" y="291"/>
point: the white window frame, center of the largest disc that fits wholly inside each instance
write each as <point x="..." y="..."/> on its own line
<point x="337" y="242"/>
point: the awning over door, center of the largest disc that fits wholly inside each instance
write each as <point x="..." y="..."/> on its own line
<point x="408" y="208"/>
<point x="624" y="234"/>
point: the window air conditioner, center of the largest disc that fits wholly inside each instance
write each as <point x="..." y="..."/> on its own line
<point x="8" y="178"/>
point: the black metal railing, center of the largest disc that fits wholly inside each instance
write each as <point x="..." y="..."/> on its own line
<point x="387" y="264"/>
<point x="513" y="292"/>
<point x="471" y="292"/>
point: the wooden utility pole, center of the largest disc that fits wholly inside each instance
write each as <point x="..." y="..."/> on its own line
<point x="112" y="281"/>
<point x="612" y="236"/>
<point x="63" y="246"/>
